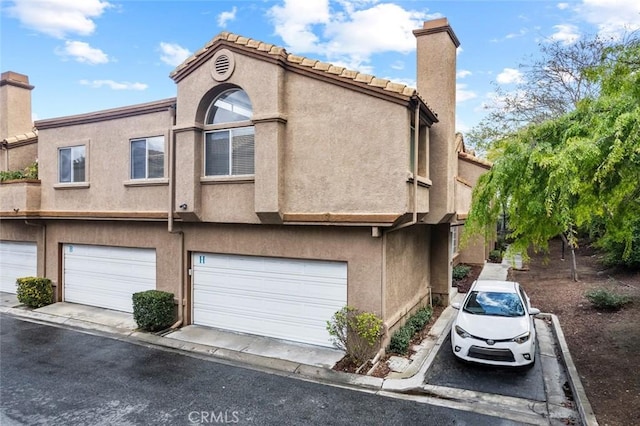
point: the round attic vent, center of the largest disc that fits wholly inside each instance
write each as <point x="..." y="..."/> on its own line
<point x="223" y="65"/>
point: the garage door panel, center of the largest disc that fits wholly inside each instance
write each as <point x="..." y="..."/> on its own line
<point x="279" y="283"/>
<point x="282" y="327"/>
<point x="17" y="259"/>
<point x="106" y="276"/>
<point x="283" y="298"/>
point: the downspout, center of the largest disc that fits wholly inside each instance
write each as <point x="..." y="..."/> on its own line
<point x="5" y="146"/>
<point x="416" y="139"/>
<point x="414" y="220"/>
<point x="172" y="189"/>
<point x="44" y="244"/>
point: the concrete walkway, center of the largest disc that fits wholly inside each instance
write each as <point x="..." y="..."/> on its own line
<point x="309" y="362"/>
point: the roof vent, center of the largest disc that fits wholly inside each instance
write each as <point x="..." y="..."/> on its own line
<point x="223" y="65"/>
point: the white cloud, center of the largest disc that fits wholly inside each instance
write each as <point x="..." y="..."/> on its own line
<point x="83" y="52"/>
<point x="521" y="33"/>
<point x="58" y="18"/>
<point x="565" y="33"/>
<point x="509" y="76"/>
<point x="225" y="17"/>
<point x="114" y="85"/>
<point x="562" y="6"/>
<point x="463" y="73"/>
<point x="463" y="94"/>
<point x="173" y="54"/>
<point x="613" y="18"/>
<point x="294" y="20"/>
<point x="346" y="32"/>
<point x="397" y="65"/>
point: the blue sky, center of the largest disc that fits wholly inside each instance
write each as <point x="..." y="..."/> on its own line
<point x="89" y="55"/>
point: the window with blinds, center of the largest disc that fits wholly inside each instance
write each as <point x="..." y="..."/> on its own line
<point x="229" y="151"/>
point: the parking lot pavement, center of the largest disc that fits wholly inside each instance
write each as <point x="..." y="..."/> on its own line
<point x="446" y="370"/>
<point x="535" y="395"/>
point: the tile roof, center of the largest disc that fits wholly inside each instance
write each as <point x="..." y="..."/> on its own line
<point x="277" y="51"/>
<point x="21" y="137"/>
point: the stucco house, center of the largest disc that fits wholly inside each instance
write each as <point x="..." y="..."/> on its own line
<point x="270" y="192"/>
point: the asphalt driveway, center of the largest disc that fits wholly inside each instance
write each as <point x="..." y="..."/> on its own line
<point x="447" y="371"/>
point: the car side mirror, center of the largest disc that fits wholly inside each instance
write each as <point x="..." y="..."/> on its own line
<point x="455" y="305"/>
<point x="534" y="311"/>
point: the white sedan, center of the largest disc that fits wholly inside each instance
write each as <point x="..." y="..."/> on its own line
<point x="494" y="325"/>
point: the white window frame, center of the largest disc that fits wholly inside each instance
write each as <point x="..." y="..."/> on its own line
<point x="230" y="163"/>
<point x="146" y="160"/>
<point x="228" y="127"/>
<point x="71" y="171"/>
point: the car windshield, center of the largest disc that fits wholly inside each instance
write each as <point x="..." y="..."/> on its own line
<point x="494" y="303"/>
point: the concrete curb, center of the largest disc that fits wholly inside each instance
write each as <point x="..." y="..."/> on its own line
<point x="587" y="416"/>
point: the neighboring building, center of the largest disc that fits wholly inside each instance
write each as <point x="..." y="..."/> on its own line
<point x="270" y="192"/>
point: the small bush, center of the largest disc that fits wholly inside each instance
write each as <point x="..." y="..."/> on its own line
<point x="153" y="309"/>
<point x="495" y="256"/>
<point x="357" y="333"/>
<point x="401" y="339"/>
<point x="607" y="301"/>
<point x="461" y="271"/>
<point x="29" y="172"/>
<point x="35" y="292"/>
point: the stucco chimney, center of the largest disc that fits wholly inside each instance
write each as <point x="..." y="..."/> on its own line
<point x="436" y="81"/>
<point x="15" y="104"/>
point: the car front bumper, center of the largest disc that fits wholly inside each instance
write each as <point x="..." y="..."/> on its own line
<point x="500" y="353"/>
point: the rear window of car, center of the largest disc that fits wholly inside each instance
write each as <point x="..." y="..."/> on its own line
<point x="494" y="303"/>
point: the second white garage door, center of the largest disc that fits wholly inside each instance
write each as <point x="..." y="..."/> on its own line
<point x="289" y="299"/>
<point x="17" y="260"/>
<point x="107" y="276"/>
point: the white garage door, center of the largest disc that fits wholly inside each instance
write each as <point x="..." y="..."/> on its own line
<point x="106" y="276"/>
<point x="284" y="298"/>
<point x="17" y="260"/>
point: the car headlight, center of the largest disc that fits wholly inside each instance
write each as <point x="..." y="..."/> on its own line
<point x="460" y="331"/>
<point x="522" y="338"/>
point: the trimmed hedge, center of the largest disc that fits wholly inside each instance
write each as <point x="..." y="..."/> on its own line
<point x="401" y="339"/>
<point x="460" y="271"/>
<point x="153" y="309"/>
<point x="35" y="292"/>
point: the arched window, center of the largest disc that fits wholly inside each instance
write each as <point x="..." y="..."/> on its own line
<point x="229" y="145"/>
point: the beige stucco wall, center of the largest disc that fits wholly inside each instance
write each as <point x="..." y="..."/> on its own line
<point x="107" y="166"/>
<point x="345" y="151"/>
<point x="436" y="81"/>
<point x="18" y="157"/>
<point x="407" y="272"/>
<point x="18" y="197"/>
<point x="15" y="104"/>
<point x="319" y="147"/>
<point x="463" y="197"/>
<point x="474" y="251"/>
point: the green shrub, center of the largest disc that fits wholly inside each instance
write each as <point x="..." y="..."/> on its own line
<point x="607" y="301"/>
<point x="401" y="339"/>
<point x="495" y="256"/>
<point x="35" y="292"/>
<point x="29" y="172"/>
<point x="357" y="333"/>
<point x="153" y="310"/>
<point x="461" y="271"/>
